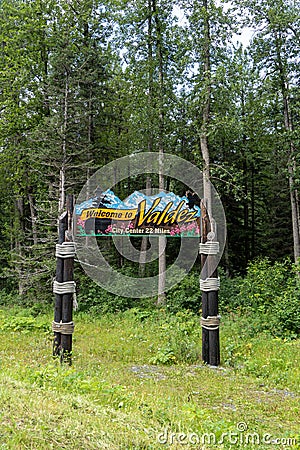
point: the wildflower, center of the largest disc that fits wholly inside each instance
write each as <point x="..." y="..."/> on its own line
<point x="80" y="222"/>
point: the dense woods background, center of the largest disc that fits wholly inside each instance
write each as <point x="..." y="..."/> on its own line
<point x="85" y="82"/>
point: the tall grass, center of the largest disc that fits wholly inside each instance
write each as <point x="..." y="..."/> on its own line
<point x="136" y="378"/>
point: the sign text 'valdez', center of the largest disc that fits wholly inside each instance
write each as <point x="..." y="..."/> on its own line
<point x="161" y="214"/>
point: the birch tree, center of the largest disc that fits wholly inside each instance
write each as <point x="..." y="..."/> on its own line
<point x="147" y="40"/>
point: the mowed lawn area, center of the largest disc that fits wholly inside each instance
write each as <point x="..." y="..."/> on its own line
<point x="137" y="382"/>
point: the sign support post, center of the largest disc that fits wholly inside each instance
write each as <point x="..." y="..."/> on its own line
<point x="64" y="287"/>
<point x="139" y="215"/>
<point x="62" y="228"/>
<point x="209" y="285"/>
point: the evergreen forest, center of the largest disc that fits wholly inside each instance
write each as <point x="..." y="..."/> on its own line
<point x="86" y="82"/>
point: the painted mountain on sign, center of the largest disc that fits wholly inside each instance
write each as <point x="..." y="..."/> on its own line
<point x="137" y="197"/>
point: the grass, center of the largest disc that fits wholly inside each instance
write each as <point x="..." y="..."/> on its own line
<point x="137" y="378"/>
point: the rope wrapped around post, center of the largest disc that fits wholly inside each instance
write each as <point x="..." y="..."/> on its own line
<point x="210" y="284"/>
<point x="65" y="250"/>
<point x="66" y="287"/>
<point x="209" y="248"/>
<point x="210" y="323"/>
<point x="63" y="327"/>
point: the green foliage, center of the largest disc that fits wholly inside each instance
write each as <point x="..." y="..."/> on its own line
<point x="9" y="298"/>
<point x="236" y="353"/>
<point x="250" y="352"/>
<point x="25" y="324"/>
<point x="181" y="335"/>
<point x="95" y="299"/>
<point x="164" y="355"/>
<point x="286" y="310"/>
<point x="185" y="295"/>
<point x="35" y="299"/>
<point x="268" y="297"/>
<point x="263" y="283"/>
<point x="112" y="398"/>
<point x="83" y="85"/>
<point x="229" y="291"/>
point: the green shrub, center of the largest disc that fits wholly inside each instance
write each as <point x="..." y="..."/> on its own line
<point x="95" y="299"/>
<point x="229" y="291"/>
<point x="9" y="298"/>
<point x="286" y="311"/>
<point x="23" y="323"/>
<point x="185" y="295"/>
<point x="268" y="296"/>
<point x="263" y="283"/>
<point x="180" y="337"/>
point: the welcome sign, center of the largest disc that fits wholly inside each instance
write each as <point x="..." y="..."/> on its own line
<point x="139" y="215"/>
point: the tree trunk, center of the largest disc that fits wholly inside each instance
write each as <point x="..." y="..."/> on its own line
<point x="62" y="173"/>
<point x="33" y="219"/>
<point x="145" y="239"/>
<point x="151" y="76"/>
<point x="295" y="211"/>
<point x="19" y="233"/>
<point x="206" y="112"/>
<point x="161" y="298"/>
<point x="210" y="338"/>
<point x="245" y="179"/>
<point x="288" y="124"/>
<point x="253" y="217"/>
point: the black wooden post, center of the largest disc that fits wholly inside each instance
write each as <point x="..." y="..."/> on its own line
<point x="213" y="335"/>
<point x="64" y="287"/>
<point x="210" y="311"/>
<point x="67" y="299"/>
<point x="62" y="227"/>
<point x="204" y="232"/>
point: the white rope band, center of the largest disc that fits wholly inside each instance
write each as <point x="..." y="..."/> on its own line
<point x="63" y="327"/>
<point x="67" y="287"/>
<point x="210" y="323"/>
<point x="210" y="284"/>
<point x="209" y="248"/>
<point x="65" y="250"/>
